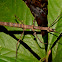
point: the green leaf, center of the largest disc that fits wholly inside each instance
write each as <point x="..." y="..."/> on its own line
<point x="15" y="7"/>
<point x="28" y="48"/>
<point x="8" y="49"/>
<point x="54" y="10"/>
<point x="8" y="10"/>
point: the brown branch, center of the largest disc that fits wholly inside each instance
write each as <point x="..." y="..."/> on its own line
<point x="26" y="26"/>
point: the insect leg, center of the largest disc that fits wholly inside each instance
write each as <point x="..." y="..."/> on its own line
<point x="35" y="33"/>
<point x="18" y="19"/>
<point x="18" y="43"/>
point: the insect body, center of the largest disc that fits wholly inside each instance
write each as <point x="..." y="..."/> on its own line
<point x="25" y="26"/>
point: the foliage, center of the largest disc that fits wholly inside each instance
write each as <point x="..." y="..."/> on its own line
<point x="28" y="48"/>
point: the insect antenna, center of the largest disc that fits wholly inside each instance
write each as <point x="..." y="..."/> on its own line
<point x="56" y="20"/>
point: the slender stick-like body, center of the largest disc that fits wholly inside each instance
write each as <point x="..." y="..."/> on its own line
<point x="25" y="26"/>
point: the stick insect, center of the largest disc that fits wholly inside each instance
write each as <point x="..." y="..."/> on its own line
<point x="30" y="27"/>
